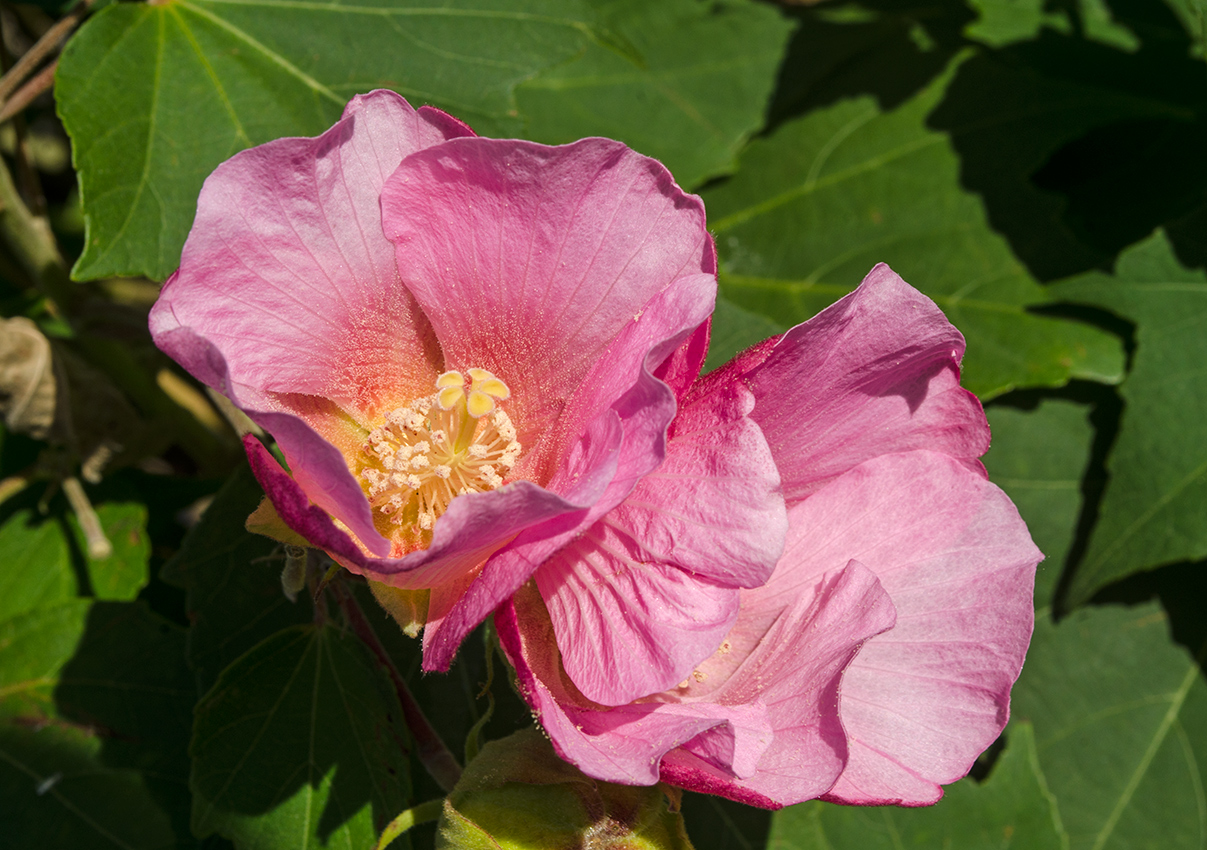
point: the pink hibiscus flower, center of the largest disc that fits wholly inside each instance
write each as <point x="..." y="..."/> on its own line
<point x="479" y="357"/>
<point x="876" y="663"/>
<point x="469" y="351"/>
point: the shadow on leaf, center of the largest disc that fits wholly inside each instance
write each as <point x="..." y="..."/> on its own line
<point x="1080" y="148"/>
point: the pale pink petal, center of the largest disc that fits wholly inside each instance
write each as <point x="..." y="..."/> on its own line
<point x="287" y="270"/>
<point x="714" y="506"/>
<point x="625" y="744"/>
<point x="795" y="669"/>
<point x="289" y="279"/>
<point x="875" y="373"/>
<point x="635" y="425"/>
<point x="628" y="627"/>
<point x="530" y="260"/>
<point x="769" y="734"/>
<point x="640" y="599"/>
<point x="924" y="699"/>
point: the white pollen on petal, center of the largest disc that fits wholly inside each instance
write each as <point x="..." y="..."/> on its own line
<point x="442" y="470"/>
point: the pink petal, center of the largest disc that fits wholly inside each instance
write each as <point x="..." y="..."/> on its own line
<point x="923" y="700"/>
<point x="625" y="744"/>
<point x="635" y="425"/>
<point x="287" y="277"/>
<point x="471" y="529"/>
<point x="767" y="734"/>
<point x="794" y="667"/>
<point x="530" y="260"/>
<point x="875" y="373"/>
<point x="714" y="506"/>
<point x="301" y="294"/>
<point x="627" y="627"/>
<point x="640" y="600"/>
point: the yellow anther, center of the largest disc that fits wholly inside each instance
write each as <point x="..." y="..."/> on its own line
<point x="479" y="404"/>
<point x="450" y="397"/>
<point x="493" y="387"/>
<point x="453" y="379"/>
<point x="438" y="447"/>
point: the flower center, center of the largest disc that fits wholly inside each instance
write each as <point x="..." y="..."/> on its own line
<point x="436" y="448"/>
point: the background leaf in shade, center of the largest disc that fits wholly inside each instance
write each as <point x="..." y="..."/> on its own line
<point x="45" y="559"/>
<point x="232" y="580"/>
<point x="1039" y="457"/>
<point x="1120" y="717"/>
<point x="1012" y="808"/>
<point x="155" y="96"/>
<point x="1001" y="22"/>
<point x="714" y="823"/>
<point x="1152" y="510"/>
<point x="95" y="712"/>
<point x="689" y="107"/>
<point x="827" y="196"/>
<point x="1081" y="142"/>
<point x="1005" y="21"/>
<point x="301" y="742"/>
<point x="125" y="572"/>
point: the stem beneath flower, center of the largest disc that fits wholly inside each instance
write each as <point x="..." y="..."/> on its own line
<point x="423" y="813"/>
<point x="436" y="757"/>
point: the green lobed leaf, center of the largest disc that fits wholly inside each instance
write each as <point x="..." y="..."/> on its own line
<point x="1006" y="21"/>
<point x="1013" y="808"/>
<point x="300" y="742"/>
<point x="37" y="565"/>
<point x="154" y="97"/>
<point x="816" y="205"/>
<point x="1152" y="509"/>
<point x="95" y="711"/>
<point x="232" y="578"/>
<point x="1039" y="458"/>
<point x="666" y="97"/>
<point x="124" y="573"/>
<point x="45" y="562"/>
<point x="1120" y="717"/>
<point x="1080" y="145"/>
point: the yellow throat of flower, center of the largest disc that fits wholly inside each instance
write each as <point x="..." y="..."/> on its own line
<point x="456" y="441"/>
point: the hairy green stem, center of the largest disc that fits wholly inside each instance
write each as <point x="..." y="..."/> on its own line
<point x="423" y="813"/>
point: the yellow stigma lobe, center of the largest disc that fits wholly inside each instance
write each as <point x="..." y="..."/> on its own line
<point x="436" y="448"/>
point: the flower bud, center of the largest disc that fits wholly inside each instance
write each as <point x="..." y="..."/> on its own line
<point x="518" y="795"/>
